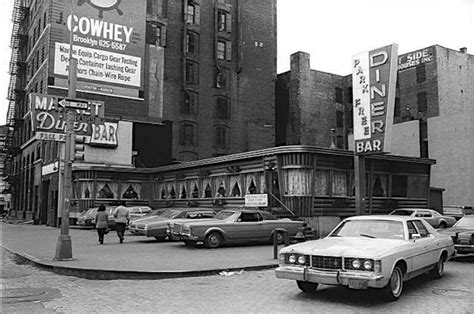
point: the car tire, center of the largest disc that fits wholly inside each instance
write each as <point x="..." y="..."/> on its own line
<point x="438" y="271"/>
<point x="279" y="239"/>
<point x="393" y="290"/>
<point x="442" y="225"/>
<point x="306" y="286"/>
<point x="213" y="240"/>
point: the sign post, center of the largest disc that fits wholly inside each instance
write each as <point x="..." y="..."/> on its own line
<point x="374" y="75"/>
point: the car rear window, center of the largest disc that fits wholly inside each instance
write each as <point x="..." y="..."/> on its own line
<point x="401" y="212"/>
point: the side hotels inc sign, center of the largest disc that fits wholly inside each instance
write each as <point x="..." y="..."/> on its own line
<point x="374" y="75"/>
<point x="48" y="119"/>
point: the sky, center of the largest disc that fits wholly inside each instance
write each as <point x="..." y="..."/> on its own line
<point x="331" y="31"/>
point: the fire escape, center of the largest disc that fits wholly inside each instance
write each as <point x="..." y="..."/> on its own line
<point x="16" y="92"/>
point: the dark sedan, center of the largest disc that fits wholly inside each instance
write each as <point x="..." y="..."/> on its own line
<point x="463" y="234"/>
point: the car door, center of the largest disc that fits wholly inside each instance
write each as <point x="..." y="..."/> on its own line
<point x="248" y="227"/>
<point x="423" y="246"/>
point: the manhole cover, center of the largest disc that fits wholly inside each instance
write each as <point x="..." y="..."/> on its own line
<point x="22" y="293"/>
<point x="453" y="293"/>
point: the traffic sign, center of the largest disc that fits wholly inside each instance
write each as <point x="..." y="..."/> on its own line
<point x="74" y="103"/>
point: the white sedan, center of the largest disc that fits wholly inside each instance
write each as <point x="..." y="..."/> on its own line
<point x="368" y="251"/>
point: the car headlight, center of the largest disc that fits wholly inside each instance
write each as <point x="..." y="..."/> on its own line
<point x="292" y="259"/>
<point x="368" y="265"/>
<point x="356" y="264"/>
<point x="301" y="259"/>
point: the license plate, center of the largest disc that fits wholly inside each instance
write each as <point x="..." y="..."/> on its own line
<point x="358" y="284"/>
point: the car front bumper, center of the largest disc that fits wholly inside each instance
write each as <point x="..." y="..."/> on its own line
<point x="464" y="248"/>
<point x="329" y="277"/>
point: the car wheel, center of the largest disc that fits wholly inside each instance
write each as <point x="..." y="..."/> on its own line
<point x="394" y="288"/>
<point x="307" y="286"/>
<point x="442" y="225"/>
<point x="279" y="238"/>
<point x="438" y="271"/>
<point x="213" y="240"/>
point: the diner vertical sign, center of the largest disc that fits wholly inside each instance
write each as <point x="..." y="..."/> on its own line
<point x="374" y="75"/>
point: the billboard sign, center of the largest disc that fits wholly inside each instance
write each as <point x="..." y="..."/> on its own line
<point x="415" y="58"/>
<point x="48" y="120"/>
<point x="108" y="40"/>
<point x="374" y="75"/>
<point x="256" y="200"/>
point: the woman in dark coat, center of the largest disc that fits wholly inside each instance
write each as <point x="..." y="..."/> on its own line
<point x="101" y="222"/>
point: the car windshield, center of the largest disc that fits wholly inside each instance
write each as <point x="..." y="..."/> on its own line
<point x="466" y="222"/>
<point x="384" y="229"/>
<point x="401" y="212"/>
<point x="171" y="213"/>
<point x="224" y="214"/>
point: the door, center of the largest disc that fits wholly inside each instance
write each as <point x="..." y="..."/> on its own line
<point x="419" y="247"/>
<point x="249" y="227"/>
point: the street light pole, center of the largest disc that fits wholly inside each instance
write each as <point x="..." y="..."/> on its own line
<point x="64" y="244"/>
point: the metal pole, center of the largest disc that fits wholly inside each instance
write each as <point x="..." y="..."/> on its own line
<point x="64" y="244"/>
<point x="359" y="177"/>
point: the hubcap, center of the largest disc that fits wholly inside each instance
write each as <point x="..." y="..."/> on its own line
<point x="395" y="282"/>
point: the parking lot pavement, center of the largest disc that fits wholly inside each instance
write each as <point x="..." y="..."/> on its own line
<point x="137" y="257"/>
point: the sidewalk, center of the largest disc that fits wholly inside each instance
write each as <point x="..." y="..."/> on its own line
<point x="137" y="258"/>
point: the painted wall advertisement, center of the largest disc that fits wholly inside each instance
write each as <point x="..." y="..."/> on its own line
<point x="48" y="120"/>
<point x="415" y="58"/>
<point x="108" y="39"/>
<point x="374" y="75"/>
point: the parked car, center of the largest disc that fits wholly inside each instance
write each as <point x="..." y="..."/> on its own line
<point x="151" y="213"/>
<point x="434" y="218"/>
<point x="368" y="252"/>
<point x="462" y="234"/>
<point x="174" y="226"/>
<point x="157" y="226"/>
<point x="457" y="211"/>
<point x="87" y="218"/>
<point x="239" y="226"/>
<point x="135" y="213"/>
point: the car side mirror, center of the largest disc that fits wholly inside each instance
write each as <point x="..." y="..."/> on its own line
<point x="415" y="236"/>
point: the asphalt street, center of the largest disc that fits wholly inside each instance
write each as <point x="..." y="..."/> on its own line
<point x="27" y="289"/>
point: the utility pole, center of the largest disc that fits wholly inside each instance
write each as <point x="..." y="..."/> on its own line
<point x="64" y="244"/>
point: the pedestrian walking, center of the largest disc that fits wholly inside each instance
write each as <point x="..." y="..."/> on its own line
<point x="122" y="217"/>
<point x="101" y="223"/>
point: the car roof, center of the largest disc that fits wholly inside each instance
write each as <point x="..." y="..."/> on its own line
<point x="382" y="217"/>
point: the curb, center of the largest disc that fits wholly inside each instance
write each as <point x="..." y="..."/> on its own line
<point x="102" y="274"/>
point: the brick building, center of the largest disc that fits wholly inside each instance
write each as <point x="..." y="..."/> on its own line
<point x="432" y="119"/>
<point x="179" y="80"/>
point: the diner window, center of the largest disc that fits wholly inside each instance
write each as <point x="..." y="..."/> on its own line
<point x="235" y="186"/>
<point x="192" y="42"/>
<point x="191" y="72"/>
<point x="224" y="21"/>
<point x="192" y="14"/>
<point x="418" y="186"/>
<point x="221" y="137"/>
<point x="222" y="108"/>
<point x="339" y="183"/>
<point x="322" y="183"/>
<point x="195" y="191"/>
<point x="420" y="73"/>
<point x="380" y="185"/>
<point x="399" y="185"/>
<point x="421" y="101"/>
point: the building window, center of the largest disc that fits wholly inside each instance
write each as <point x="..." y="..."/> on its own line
<point x="398" y="110"/>
<point x="156" y="35"/>
<point x="420" y="73"/>
<point x="221" y="137"/>
<point x="224" y="50"/>
<point x="222" y="109"/>
<point x="155" y="7"/>
<point x="45" y="19"/>
<point x="187" y="136"/>
<point x="192" y="15"/>
<point x="399" y="185"/>
<point x="192" y="42"/>
<point x="224" y="21"/>
<point x="191" y="72"/>
<point x="349" y="95"/>
<point x="421" y="101"/>
<point x="338" y="95"/>
<point x="221" y="77"/>
<point x="190" y="103"/>
<point x="339" y="118"/>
